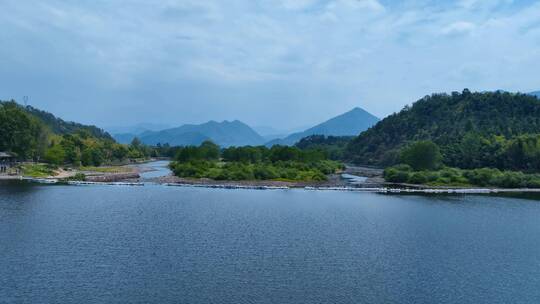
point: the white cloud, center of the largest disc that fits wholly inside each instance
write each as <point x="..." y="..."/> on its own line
<point x="475" y="4"/>
<point x="229" y="56"/>
<point x="458" y="28"/>
<point x="369" y="5"/>
<point x="297" y="4"/>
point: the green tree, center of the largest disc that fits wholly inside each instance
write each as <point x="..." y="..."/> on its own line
<point x="136" y="143"/>
<point x="55" y="155"/>
<point x="422" y="155"/>
<point x="19" y="131"/>
<point x="209" y="150"/>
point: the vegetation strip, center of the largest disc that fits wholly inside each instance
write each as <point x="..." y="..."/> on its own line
<point x="279" y="163"/>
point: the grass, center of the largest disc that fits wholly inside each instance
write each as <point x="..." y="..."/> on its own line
<point x="37" y="170"/>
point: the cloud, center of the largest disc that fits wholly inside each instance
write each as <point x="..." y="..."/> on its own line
<point x="458" y="28"/>
<point x="369" y="4"/>
<point x="479" y="4"/>
<point x="297" y="4"/>
<point x="265" y="62"/>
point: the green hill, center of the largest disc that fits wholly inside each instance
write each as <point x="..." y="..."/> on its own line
<point x="61" y="127"/>
<point x="488" y="129"/>
<point x="30" y="133"/>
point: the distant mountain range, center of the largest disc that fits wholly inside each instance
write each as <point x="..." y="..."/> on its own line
<point x="137" y="128"/>
<point x="350" y="123"/>
<point x="536" y="93"/>
<point x="225" y="134"/>
<point x="271" y="133"/>
<point x="237" y="133"/>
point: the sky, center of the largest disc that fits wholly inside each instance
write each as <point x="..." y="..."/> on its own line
<point x="278" y="63"/>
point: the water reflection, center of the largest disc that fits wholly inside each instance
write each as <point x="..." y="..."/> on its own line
<point x="16" y="186"/>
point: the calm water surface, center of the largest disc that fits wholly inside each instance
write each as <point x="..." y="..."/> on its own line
<point x="157" y="244"/>
<point x="157" y="169"/>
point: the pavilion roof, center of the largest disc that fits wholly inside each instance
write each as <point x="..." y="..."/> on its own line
<point x="5" y="155"/>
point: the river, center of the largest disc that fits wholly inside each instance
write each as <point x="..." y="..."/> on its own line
<point x="159" y="244"/>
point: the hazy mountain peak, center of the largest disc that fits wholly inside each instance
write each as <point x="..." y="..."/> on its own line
<point x="349" y="123"/>
<point x="225" y="133"/>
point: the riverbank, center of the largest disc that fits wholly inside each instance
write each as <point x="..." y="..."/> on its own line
<point x="351" y="176"/>
<point x="251" y="186"/>
<point x="114" y="173"/>
<point x="333" y="181"/>
<point x="157" y="173"/>
<point x="365" y="179"/>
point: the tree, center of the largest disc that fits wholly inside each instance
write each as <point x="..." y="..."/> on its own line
<point x="284" y="153"/>
<point x="120" y="151"/>
<point x="422" y="155"/>
<point x="19" y="131"/>
<point x="136" y="143"/>
<point x="55" y="155"/>
<point x="209" y="150"/>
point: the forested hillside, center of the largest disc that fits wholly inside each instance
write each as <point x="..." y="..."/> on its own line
<point x="333" y="146"/>
<point x="489" y="129"/>
<point x="59" y="126"/>
<point x="30" y="133"/>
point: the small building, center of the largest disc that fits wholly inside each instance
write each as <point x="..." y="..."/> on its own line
<point x="7" y="160"/>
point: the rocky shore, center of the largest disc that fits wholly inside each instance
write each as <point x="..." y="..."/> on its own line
<point x="334" y="180"/>
<point x="113" y="177"/>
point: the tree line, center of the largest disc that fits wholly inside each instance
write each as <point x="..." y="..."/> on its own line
<point x="31" y="134"/>
<point x="422" y="163"/>
<point x="252" y="163"/>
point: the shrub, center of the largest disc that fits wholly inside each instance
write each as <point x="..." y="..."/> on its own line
<point x="482" y="177"/>
<point x="394" y="175"/>
<point x="77" y="177"/>
<point x="432" y="176"/>
<point x="510" y="179"/>
<point x="533" y="182"/>
<point x="418" y="178"/>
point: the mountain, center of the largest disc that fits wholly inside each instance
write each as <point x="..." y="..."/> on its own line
<point x="267" y="130"/>
<point x="125" y="134"/>
<point x="59" y="126"/>
<point x="351" y="123"/>
<point x="536" y="93"/>
<point x="271" y="133"/>
<point x="124" y="138"/>
<point x="137" y="128"/>
<point x="225" y="134"/>
<point x="463" y="124"/>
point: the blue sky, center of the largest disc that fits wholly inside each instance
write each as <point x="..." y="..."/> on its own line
<point x="270" y="62"/>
